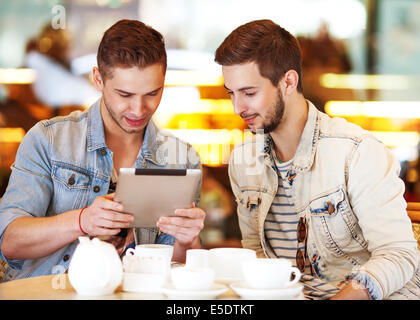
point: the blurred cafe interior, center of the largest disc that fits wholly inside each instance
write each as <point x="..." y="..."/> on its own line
<point x="361" y="62"/>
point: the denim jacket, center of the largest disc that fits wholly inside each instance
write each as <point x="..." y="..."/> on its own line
<point x="347" y="186"/>
<point x="64" y="164"/>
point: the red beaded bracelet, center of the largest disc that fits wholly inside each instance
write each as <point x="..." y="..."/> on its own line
<point x="80" y="216"/>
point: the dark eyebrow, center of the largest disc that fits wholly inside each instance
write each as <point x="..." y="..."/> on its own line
<point x="123" y="92"/>
<point x="154" y="91"/>
<point x="240" y="89"/>
<point x="127" y="93"/>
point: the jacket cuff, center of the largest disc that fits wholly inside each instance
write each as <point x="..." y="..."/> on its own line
<point x="372" y="284"/>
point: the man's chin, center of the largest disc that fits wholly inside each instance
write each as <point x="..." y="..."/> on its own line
<point x="255" y="130"/>
<point x="133" y="131"/>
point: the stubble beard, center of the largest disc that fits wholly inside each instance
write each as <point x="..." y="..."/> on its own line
<point x="116" y="121"/>
<point x="274" y="116"/>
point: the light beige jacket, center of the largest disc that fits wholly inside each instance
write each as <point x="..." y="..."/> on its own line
<point x="346" y="183"/>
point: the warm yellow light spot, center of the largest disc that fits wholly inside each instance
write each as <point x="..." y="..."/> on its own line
<point x="397" y="139"/>
<point x="213" y="146"/>
<point x="367" y="81"/>
<point x="11" y="135"/>
<point x="17" y="76"/>
<point x="374" y="109"/>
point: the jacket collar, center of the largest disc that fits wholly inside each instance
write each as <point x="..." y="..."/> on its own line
<point x="96" y="136"/>
<point x="96" y="133"/>
<point x="305" y="152"/>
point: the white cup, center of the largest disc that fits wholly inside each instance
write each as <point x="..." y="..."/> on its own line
<point x="197" y="258"/>
<point x="185" y="278"/>
<point x="143" y="282"/>
<point x="153" y="256"/>
<point x="157" y="264"/>
<point x="264" y="273"/>
<point x="152" y="250"/>
<point x="226" y="262"/>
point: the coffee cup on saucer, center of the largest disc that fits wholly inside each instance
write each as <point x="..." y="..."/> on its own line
<point x="192" y="278"/>
<point x="197" y="258"/>
<point x="226" y="262"/>
<point x="146" y="268"/>
<point x="265" y="273"/>
<point x="152" y="250"/>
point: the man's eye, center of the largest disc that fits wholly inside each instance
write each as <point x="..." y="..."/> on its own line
<point x="249" y="94"/>
<point x="125" y="95"/>
<point x="152" y="94"/>
<point x="230" y="93"/>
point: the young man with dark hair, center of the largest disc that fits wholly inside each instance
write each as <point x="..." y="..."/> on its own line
<point x="61" y="186"/>
<point x="316" y="190"/>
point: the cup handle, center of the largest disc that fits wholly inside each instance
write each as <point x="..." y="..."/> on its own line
<point x="130" y="251"/>
<point x="297" y="273"/>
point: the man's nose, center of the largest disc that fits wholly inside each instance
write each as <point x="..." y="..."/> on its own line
<point x="137" y="106"/>
<point x="238" y="105"/>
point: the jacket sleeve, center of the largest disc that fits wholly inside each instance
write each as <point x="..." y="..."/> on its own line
<point x="247" y="225"/>
<point x="30" y="186"/>
<point x="376" y="196"/>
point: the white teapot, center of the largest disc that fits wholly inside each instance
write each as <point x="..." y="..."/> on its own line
<point x="95" y="268"/>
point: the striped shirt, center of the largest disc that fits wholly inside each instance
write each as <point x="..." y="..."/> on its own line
<point x="280" y="228"/>
<point x="281" y="223"/>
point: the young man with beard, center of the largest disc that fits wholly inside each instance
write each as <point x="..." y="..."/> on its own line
<point x="62" y="181"/>
<point x="316" y="190"/>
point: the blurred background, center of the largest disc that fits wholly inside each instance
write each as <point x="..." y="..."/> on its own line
<point x="361" y="62"/>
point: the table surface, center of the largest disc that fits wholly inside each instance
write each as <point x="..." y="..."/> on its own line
<point x="58" y="287"/>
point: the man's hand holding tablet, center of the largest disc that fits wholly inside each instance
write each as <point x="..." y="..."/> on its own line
<point x="185" y="227"/>
<point x="104" y="217"/>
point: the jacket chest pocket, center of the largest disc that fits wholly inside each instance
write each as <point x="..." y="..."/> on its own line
<point x="333" y="218"/>
<point x="71" y="187"/>
<point x="250" y="200"/>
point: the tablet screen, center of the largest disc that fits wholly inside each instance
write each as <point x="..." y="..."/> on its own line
<point x="149" y="194"/>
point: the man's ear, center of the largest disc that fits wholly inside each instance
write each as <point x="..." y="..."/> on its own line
<point x="289" y="82"/>
<point x="97" y="79"/>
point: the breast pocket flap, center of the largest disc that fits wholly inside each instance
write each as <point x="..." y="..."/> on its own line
<point x="71" y="178"/>
<point x="327" y="205"/>
<point x="249" y="199"/>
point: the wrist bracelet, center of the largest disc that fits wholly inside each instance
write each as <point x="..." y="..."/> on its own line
<point x="80" y="224"/>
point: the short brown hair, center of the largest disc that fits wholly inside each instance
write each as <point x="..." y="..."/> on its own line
<point x="271" y="47"/>
<point x="130" y="43"/>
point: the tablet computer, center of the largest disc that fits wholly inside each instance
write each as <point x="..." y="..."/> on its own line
<point x="149" y="194"/>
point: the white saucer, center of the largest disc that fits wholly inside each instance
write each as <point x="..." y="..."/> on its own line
<point x="288" y="293"/>
<point x="216" y="289"/>
<point x="227" y="280"/>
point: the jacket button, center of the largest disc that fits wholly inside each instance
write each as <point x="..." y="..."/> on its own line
<point x="102" y="152"/>
<point x="96" y="189"/>
<point x="66" y="257"/>
<point x="330" y="208"/>
<point x="71" y="180"/>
